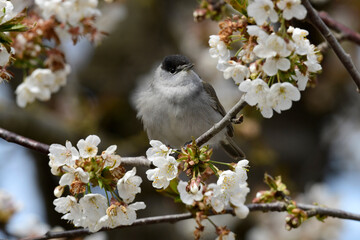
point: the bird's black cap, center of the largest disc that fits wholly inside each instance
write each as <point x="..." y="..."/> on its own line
<point x="171" y="63"/>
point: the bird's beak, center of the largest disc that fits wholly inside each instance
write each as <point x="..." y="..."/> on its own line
<point x="186" y="67"/>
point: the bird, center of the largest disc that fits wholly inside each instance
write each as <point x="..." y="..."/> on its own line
<point x="176" y="105"/>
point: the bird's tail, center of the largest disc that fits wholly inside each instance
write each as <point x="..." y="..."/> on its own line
<point x="232" y="149"/>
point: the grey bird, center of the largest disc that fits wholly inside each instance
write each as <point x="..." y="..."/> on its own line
<point x="177" y="105"/>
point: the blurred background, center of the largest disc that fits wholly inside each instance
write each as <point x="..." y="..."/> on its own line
<point x="314" y="146"/>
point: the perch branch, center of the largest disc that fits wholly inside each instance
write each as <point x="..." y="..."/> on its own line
<point x="263" y="207"/>
<point x="226" y="120"/>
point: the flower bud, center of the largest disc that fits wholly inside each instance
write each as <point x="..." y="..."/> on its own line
<point x="58" y="191"/>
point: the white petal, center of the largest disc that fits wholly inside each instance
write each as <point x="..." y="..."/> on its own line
<point x="269" y="67"/>
<point x="283" y="64"/>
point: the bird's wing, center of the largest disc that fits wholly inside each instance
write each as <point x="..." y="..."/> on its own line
<point x="216" y="105"/>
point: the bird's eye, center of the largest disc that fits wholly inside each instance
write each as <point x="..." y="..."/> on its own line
<point x="173" y="70"/>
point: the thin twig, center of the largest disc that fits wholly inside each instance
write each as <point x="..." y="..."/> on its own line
<point x="345" y="31"/>
<point x="226" y="120"/>
<point x="340" y="52"/>
<point x="264" y="207"/>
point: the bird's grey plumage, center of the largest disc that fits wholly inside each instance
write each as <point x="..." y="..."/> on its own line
<point x="177" y="105"/>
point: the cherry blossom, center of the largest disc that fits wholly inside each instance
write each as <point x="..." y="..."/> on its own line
<point x="261" y="10"/>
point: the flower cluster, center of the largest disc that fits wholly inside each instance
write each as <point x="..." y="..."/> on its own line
<point x="4" y="60"/>
<point x="80" y="170"/>
<point x="166" y="165"/>
<point x="9" y="21"/>
<point x="37" y="49"/>
<point x="230" y="190"/>
<point x="68" y="11"/>
<point x="7" y="207"/>
<point x="40" y="85"/>
<point x="76" y="17"/>
<point x="274" y="63"/>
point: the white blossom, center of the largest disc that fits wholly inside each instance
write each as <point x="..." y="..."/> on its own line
<point x="63" y="155"/>
<point x="65" y="204"/>
<point x="6" y="11"/>
<point x="88" y="147"/>
<point x="282" y="95"/>
<point x="128" y="186"/>
<point x="218" y="48"/>
<point x="261" y="10"/>
<point x="8" y="206"/>
<point x="300" y="79"/>
<point x="230" y="189"/>
<point x="302" y="45"/>
<point x="4" y="56"/>
<point x="292" y="9"/>
<point x="60" y="78"/>
<point x="247" y="55"/>
<point x="93" y="208"/>
<point x="157" y="149"/>
<point x="158" y="181"/>
<point x="241" y="211"/>
<point x="111" y="159"/>
<point x="254" y="30"/>
<point x="167" y="169"/>
<point x="68" y="11"/>
<point x="217" y="201"/>
<point x="271" y="47"/>
<point x="257" y="92"/>
<point x="273" y="64"/>
<point x="234" y="70"/>
<point x="25" y="94"/>
<point x="312" y="62"/>
<point x="117" y="215"/>
<point x="189" y="197"/>
<point x="39" y="85"/>
<point x="71" y="174"/>
<point x="35" y="86"/>
<point x="69" y="206"/>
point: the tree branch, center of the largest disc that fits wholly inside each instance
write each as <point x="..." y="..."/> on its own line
<point x="44" y="148"/>
<point x="23" y="141"/>
<point x="340" y="52"/>
<point x="345" y="32"/>
<point x="226" y="120"/>
<point x="264" y="207"/>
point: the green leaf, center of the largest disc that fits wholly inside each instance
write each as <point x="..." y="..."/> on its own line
<point x="101" y="185"/>
<point x="239" y="5"/>
<point x="13" y="28"/>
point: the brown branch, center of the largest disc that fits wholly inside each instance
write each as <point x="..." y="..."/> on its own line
<point x="23" y="141"/>
<point x="264" y="207"/>
<point x="44" y="148"/>
<point x="226" y="120"/>
<point x="345" y="31"/>
<point x="340" y="52"/>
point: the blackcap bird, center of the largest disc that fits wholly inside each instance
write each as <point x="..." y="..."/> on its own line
<point x="177" y="105"/>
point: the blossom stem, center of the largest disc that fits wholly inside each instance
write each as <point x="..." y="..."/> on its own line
<point x="238" y="51"/>
<point x="214" y="169"/>
<point x="107" y="197"/>
<point x="211" y="221"/>
<point x="222" y="163"/>
<point x="278" y="77"/>
<point x="114" y="195"/>
<point x="88" y="188"/>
